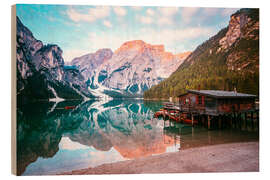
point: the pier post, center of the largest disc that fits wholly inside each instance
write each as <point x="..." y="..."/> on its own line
<point x="252" y="120"/>
<point x="163" y="122"/>
<point x="241" y="121"/>
<point x="230" y="120"/>
<point x="238" y="119"/>
<point x="245" y="121"/>
<point x="219" y="122"/>
<point x="234" y="120"/>
<point x="192" y="120"/>
<point x="203" y="123"/>
<point x="209" y="122"/>
<point x="163" y="114"/>
<point x="257" y="118"/>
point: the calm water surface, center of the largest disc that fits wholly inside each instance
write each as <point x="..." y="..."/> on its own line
<point x="52" y="140"/>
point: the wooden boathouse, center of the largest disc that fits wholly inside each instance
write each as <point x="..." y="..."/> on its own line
<point x="213" y="108"/>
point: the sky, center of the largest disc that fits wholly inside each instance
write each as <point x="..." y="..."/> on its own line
<point x="79" y="30"/>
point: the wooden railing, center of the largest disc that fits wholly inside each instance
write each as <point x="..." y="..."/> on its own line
<point x="190" y="108"/>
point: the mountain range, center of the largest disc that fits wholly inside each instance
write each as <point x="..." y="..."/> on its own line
<point x="132" y="69"/>
<point x="229" y="60"/>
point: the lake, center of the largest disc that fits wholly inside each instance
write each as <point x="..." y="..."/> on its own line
<point x="52" y="139"/>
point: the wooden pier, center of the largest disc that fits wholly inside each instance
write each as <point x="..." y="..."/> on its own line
<point x="213" y="109"/>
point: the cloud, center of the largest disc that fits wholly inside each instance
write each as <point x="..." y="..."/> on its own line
<point x="75" y="16"/>
<point x="120" y="11"/>
<point x="93" y="14"/>
<point x="165" y="21"/>
<point x="168" y="37"/>
<point x="136" y="8"/>
<point x="210" y="11"/>
<point x="171" y="36"/>
<point x="188" y="13"/>
<point x="150" y="12"/>
<point x="168" y="11"/>
<point x="228" y="11"/>
<point x="157" y="26"/>
<point x="173" y="39"/>
<point x="163" y="16"/>
<point x="107" y="23"/>
<point x="145" y="19"/>
<point x="100" y="12"/>
<point x="106" y="40"/>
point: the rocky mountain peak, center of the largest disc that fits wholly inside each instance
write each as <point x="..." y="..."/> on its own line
<point x="51" y="56"/>
<point x="155" y="51"/>
<point x="103" y="54"/>
<point x="96" y="58"/>
<point x="40" y="71"/>
<point x="140" y="46"/>
<point x="157" y="48"/>
<point x="239" y="22"/>
<point x="26" y="39"/>
<point x="135" y="45"/>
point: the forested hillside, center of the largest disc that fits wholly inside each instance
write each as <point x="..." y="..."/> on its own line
<point x="228" y="60"/>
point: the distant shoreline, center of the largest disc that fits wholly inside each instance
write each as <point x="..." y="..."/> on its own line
<point x="234" y="157"/>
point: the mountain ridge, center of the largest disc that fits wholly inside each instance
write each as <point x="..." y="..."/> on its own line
<point x="133" y="68"/>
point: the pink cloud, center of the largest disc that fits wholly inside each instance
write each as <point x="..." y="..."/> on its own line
<point x="92" y="15"/>
<point x="120" y="11"/>
<point x="187" y="13"/>
<point x="168" y="11"/>
<point x="145" y="19"/>
<point x="107" y="23"/>
<point x="150" y="12"/>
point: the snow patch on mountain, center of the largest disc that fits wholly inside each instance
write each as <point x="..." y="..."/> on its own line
<point x="56" y="99"/>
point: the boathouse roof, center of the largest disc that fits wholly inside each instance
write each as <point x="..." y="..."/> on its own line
<point x="220" y="94"/>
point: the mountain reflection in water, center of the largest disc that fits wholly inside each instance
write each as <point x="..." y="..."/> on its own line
<point x="51" y="139"/>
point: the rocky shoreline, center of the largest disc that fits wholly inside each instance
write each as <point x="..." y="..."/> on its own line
<point x="235" y="157"/>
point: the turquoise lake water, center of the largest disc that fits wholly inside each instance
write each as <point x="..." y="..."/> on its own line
<point x="51" y="139"/>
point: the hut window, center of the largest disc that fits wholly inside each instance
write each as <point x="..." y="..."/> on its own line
<point x="203" y="100"/>
<point x="210" y="102"/>
<point x="199" y="99"/>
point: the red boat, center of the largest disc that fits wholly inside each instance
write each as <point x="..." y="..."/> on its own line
<point x="174" y="115"/>
<point x="69" y="107"/>
<point x="158" y="114"/>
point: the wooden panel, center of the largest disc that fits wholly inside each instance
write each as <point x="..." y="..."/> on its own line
<point x="235" y="105"/>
